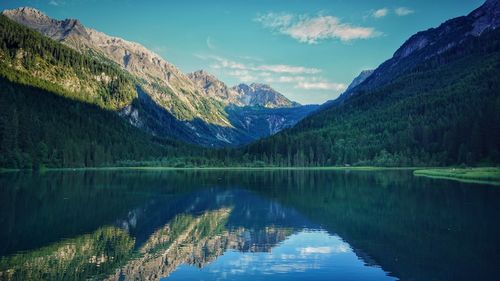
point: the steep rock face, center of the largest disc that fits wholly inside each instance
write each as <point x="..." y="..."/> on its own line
<point x="55" y="29"/>
<point x="453" y="32"/>
<point x="168" y="86"/>
<point x="215" y="88"/>
<point x="254" y="94"/>
<point x="263" y="95"/>
<point x="427" y="44"/>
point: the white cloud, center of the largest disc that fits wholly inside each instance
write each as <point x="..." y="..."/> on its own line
<point x="282" y="68"/>
<point x="297" y="77"/>
<point x="321" y="86"/>
<point x="310" y="30"/>
<point x="286" y="79"/>
<point x="225" y="63"/>
<point x="380" y="13"/>
<point x="55" y="3"/>
<point x="242" y="75"/>
<point x="265" y="68"/>
<point x="403" y="11"/>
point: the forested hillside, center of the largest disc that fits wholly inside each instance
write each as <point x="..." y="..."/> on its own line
<point x="29" y="58"/>
<point x="190" y="108"/>
<point x="443" y="111"/>
<point x="57" y="108"/>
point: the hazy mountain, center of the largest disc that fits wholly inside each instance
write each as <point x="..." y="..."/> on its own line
<point x="257" y="110"/>
<point x="435" y="102"/>
<point x="263" y="95"/>
<point x="259" y="122"/>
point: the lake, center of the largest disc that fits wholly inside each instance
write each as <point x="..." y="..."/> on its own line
<point x="246" y="225"/>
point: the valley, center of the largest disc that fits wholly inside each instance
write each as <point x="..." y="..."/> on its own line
<point x="419" y="108"/>
<point x="250" y="140"/>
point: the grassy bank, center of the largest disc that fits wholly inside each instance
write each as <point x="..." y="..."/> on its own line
<point x="484" y="175"/>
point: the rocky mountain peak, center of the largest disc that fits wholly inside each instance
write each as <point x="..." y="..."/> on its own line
<point x="429" y="43"/>
<point x="26" y="12"/>
<point x="486" y="17"/>
<point x="35" y="19"/>
<point x="202" y="74"/>
<point x="257" y="94"/>
<point x="215" y="88"/>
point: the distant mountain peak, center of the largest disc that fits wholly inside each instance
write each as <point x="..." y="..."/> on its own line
<point x="214" y="88"/>
<point x="257" y="94"/>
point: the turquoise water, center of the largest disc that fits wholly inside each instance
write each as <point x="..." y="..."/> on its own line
<point x="255" y="225"/>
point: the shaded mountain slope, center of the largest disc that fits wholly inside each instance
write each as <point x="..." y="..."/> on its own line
<point x="425" y="106"/>
<point x="427" y="44"/>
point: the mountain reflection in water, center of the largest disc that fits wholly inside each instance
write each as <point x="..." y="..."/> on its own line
<point x="314" y="225"/>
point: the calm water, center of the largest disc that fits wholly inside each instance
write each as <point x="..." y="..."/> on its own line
<point x="235" y="225"/>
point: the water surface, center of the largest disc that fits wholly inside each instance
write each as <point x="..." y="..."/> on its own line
<point x="255" y="225"/>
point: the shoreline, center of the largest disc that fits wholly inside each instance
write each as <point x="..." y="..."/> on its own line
<point x="485" y="175"/>
<point x="235" y="168"/>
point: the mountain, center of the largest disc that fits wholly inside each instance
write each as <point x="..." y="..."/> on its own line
<point x="255" y="111"/>
<point x="167" y="85"/>
<point x="215" y="88"/>
<point x="241" y="95"/>
<point x="58" y="108"/>
<point x="435" y="102"/>
<point x="164" y="102"/>
<point x="161" y="100"/>
<point x="259" y="122"/>
<point x="433" y="42"/>
<point x="263" y="95"/>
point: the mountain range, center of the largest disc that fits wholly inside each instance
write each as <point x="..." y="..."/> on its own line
<point x="171" y="104"/>
<point x="434" y="102"/>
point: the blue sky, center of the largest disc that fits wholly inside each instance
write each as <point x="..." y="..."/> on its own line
<point x="309" y="50"/>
